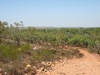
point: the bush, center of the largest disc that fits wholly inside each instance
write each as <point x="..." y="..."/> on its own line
<point x="74" y="53"/>
<point x="0" y="40"/>
<point x="51" y="55"/>
<point x="24" y="48"/>
<point x="12" y="52"/>
<point x="8" y="52"/>
<point x="95" y="48"/>
<point x="44" y="54"/>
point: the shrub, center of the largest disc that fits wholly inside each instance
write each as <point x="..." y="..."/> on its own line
<point x="8" y="52"/>
<point x="24" y="48"/>
<point x="51" y="55"/>
<point x="74" y="53"/>
<point x="12" y="52"/>
<point x="44" y="54"/>
<point x="95" y="48"/>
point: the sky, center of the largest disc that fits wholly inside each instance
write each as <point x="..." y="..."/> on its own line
<point x="51" y="13"/>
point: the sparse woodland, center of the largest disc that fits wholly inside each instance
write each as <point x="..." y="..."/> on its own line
<point x="20" y="45"/>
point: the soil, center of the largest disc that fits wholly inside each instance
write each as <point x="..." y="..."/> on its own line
<point x="89" y="64"/>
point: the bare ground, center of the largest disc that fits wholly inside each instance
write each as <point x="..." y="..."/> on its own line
<point x="89" y="64"/>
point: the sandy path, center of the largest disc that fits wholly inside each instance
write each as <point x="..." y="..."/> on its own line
<point x="89" y="64"/>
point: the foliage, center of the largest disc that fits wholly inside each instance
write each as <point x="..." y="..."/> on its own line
<point x="84" y="37"/>
<point x="12" y="52"/>
<point x="15" y="41"/>
<point x="51" y="55"/>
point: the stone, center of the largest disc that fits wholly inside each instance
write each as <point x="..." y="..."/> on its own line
<point x="45" y="70"/>
<point x="5" y="73"/>
<point x="47" y="73"/>
<point x="40" y="71"/>
<point x="33" y="70"/>
<point x="0" y="70"/>
<point x="43" y="63"/>
<point x="28" y="66"/>
<point x="49" y="63"/>
<point x="1" y="74"/>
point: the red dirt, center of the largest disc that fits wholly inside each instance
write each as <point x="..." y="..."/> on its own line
<point x="89" y="64"/>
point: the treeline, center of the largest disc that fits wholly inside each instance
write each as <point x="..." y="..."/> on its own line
<point x="84" y="37"/>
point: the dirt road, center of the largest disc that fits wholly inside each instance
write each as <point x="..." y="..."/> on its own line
<point x="89" y="64"/>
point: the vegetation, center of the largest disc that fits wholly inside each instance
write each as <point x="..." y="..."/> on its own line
<point x="13" y="36"/>
<point x="16" y="43"/>
<point x="51" y="55"/>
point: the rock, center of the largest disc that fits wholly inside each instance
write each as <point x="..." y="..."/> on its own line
<point x="35" y="48"/>
<point x="45" y="70"/>
<point x="0" y="70"/>
<point x="52" y="48"/>
<point x="47" y="73"/>
<point x="1" y="74"/>
<point x="33" y="70"/>
<point x="28" y="66"/>
<point x="5" y="73"/>
<point x="46" y="63"/>
<point x="49" y="63"/>
<point x="43" y="63"/>
<point x="40" y="71"/>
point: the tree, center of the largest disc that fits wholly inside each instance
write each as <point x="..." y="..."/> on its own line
<point x="16" y="33"/>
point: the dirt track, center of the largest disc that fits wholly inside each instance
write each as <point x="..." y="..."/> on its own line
<point x="89" y="64"/>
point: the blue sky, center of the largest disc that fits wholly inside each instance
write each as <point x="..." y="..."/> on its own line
<point x="51" y="13"/>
